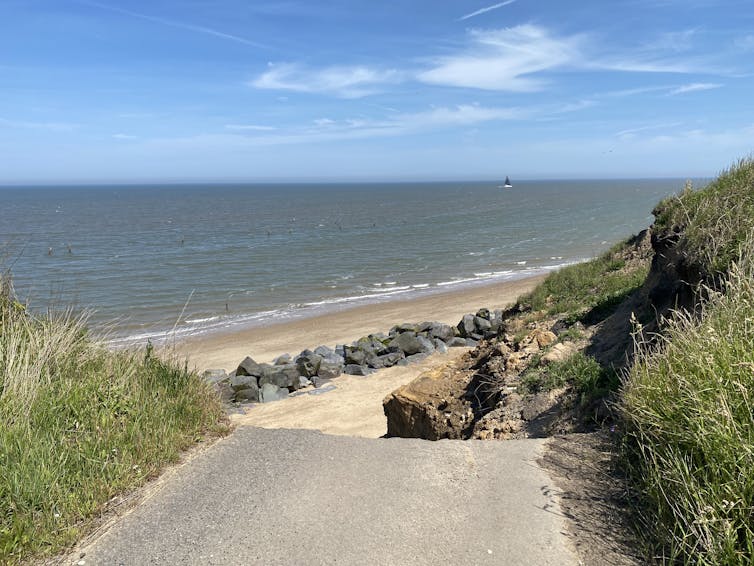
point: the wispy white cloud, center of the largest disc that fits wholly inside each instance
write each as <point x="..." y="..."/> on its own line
<point x="485" y="10"/>
<point x="175" y="24"/>
<point x="633" y="91"/>
<point x="327" y="129"/>
<point x="249" y="127"/>
<point x="746" y="42"/>
<point x="124" y="137"/>
<point x="631" y="132"/>
<point x="693" y="87"/>
<point x="503" y="59"/>
<point x="675" y="41"/>
<point x="514" y="59"/>
<point x="345" y="82"/>
<point x="51" y="126"/>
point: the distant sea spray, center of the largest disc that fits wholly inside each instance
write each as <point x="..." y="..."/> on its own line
<point x="199" y="258"/>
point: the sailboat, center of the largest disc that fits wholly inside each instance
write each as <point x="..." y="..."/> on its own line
<point x="507" y="184"/>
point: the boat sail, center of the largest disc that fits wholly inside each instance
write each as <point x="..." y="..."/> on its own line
<point x="507" y="184"/>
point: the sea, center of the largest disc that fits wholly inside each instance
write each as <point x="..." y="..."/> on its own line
<point x="155" y="261"/>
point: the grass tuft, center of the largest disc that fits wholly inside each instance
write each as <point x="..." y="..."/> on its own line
<point x="589" y="290"/>
<point x="688" y="407"/>
<point x="81" y="424"/>
<point x="714" y="222"/>
<point x="588" y="378"/>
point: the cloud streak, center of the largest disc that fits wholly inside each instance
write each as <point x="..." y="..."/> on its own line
<point x="175" y="24"/>
<point x="341" y="81"/>
<point x="631" y="132"/>
<point x="513" y="59"/>
<point x="694" y="87"/>
<point x="504" y="59"/>
<point x="485" y="10"/>
<point x="50" y="126"/>
<point x="249" y="127"/>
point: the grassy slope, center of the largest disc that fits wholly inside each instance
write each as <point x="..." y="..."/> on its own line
<point x="589" y="290"/>
<point x="81" y="424"/>
<point x="688" y="408"/>
<point x="688" y="403"/>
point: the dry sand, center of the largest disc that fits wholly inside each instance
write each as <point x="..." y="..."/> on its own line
<point x="354" y="407"/>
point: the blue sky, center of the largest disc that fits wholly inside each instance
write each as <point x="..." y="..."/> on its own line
<point x="197" y="90"/>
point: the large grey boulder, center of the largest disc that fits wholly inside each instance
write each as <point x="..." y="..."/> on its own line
<point x="371" y="346"/>
<point x="427" y="346"/>
<point x="248" y="394"/>
<point x="282" y="360"/>
<point x="482" y="324"/>
<point x="331" y="366"/>
<point x="440" y="346"/>
<point x="239" y="382"/>
<point x="408" y="343"/>
<point x="424" y="326"/>
<point x="390" y="359"/>
<point x="483" y="313"/>
<point x="466" y="326"/>
<point x="249" y="367"/>
<point x="457" y="342"/>
<point x="308" y="365"/>
<point x="405" y="327"/>
<point x="444" y="332"/>
<point x="270" y="392"/>
<point x="323" y="351"/>
<point x="285" y="376"/>
<point x="353" y="369"/>
<point x="354" y="355"/>
<point x="496" y="319"/>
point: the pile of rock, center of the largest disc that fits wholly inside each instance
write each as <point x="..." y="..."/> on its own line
<point x="402" y="345"/>
<point x="482" y="400"/>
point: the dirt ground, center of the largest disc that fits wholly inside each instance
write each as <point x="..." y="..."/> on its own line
<point x="592" y="498"/>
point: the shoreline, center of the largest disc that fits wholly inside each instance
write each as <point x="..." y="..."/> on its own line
<point x="224" y="349"/>
<point x="212" y="324"/>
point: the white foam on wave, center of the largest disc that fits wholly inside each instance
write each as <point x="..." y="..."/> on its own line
<point x="339" y="300"/>
<point x="201" y="320"/>
<point x="378" y="292"/>
<point x="457" y="281"/>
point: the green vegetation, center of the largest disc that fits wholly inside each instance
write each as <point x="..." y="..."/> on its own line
<point x="584" y="373"/>
<point x="714" y="222"/>
<point x="81" y="424"/>
<point x="688" y="401"/>
<point x="688" y="407"/>
<point x="589" y="290"/>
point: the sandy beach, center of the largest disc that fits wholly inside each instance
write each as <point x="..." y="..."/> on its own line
<point x="226" y="350"/>
<point x="350" y="405"/>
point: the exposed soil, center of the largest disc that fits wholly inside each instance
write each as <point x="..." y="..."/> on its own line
<point x="593" y="499"/>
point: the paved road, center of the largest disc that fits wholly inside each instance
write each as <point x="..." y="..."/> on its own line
<point x="303" y="498"/>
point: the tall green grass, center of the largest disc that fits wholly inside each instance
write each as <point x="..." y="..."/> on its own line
<point x="713" y="223"/>
<point x="80" y="424"/>
<point x="590" y="289"/>
<point x="688" y="407"/>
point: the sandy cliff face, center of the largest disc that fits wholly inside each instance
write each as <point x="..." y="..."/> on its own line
<point x="482" y="396"/>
